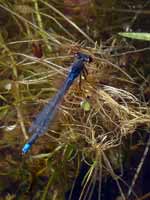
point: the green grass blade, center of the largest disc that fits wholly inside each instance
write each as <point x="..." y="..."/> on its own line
<point x="137" y="36"/>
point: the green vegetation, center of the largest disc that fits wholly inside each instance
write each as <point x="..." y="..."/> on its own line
<point x="137" y="36"/>
<point x="96" y="124"/>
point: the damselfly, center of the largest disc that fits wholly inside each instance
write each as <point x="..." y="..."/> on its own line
<point x="43" y="119"/>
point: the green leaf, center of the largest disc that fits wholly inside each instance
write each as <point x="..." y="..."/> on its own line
<point x="137" y="36"/>
<point x="85" y="105"/>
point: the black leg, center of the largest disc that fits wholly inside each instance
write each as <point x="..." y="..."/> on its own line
<point x="85" y="70"/>
<point x="80" y="81"/>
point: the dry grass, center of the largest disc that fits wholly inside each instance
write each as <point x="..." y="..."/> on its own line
<point x="27" y="83"/>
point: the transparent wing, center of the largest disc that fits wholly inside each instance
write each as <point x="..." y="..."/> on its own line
<point x="45" y="117"/>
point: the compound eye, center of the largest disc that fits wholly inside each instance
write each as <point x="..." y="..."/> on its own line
<point x="84" y="57"/>
<point x="78" y="55"/>
<point x="90" y="59"/>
